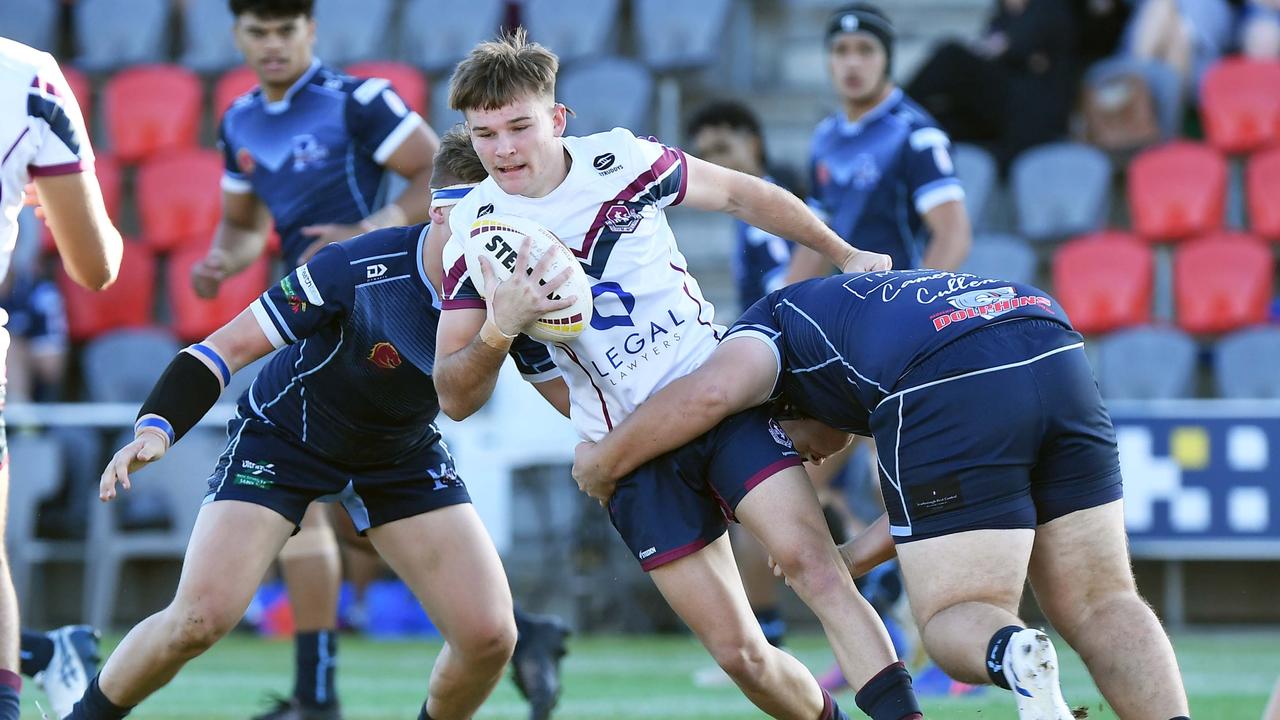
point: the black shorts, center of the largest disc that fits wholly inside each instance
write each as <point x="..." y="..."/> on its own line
<point x="1003" y="428"/>
<point x="266" y="467"/>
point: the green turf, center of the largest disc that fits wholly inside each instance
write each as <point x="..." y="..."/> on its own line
<point x="1229" y="676"/>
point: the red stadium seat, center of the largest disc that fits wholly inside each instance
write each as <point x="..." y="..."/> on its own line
<point x="1240" y="104"/>
<point x="407" y="80"/>
<point x="194" y="318"/>
<point x="126" y="304"/>
<point x="1177" y="190"/>
<point x="179" y="198"/>
<point x="83" y="91"/>
<point x="1262" y="184"/>
<point x="1104" y="281"/>
<point x="231" y="85"/>
<point x="150" y="108"/>
<point x="1222" y="282"/>
<point x="110" y="179"/>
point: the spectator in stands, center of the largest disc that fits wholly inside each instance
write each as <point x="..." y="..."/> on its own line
<point x="1260" y="29"/>
<point x="37" y="361"/>
<point x="1187" y="35"/>
<point x="1100" y="26"/>
<point x="1013" y="87"/>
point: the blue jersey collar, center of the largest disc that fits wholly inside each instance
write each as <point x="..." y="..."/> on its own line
<point x="853" y="127"/>
<point x="282" y="104"/>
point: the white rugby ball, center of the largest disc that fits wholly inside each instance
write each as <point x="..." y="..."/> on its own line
<point x="499" y="237"/>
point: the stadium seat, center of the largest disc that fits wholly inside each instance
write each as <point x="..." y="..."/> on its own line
<point x="36" y="471"/>
<point x="31" y="22"/>
<point x="575" y="28"/>
<point x="180" y="479"/>
<point x="107" y="379"/>
<point x="230" y="85"/>
<point x="179" y="199"/>
<point x="127" y="303"/>
<point x="1222" y="282"/>
<point x="1104" y="281"/>
<point x="110" y="179"/>
<point x="207" y="36"/>
<point x="1240" y="104"/>
<point x="1177" y="190"/>
<point x="436" y="34"/>
<point x="406" y="79"/>
<point x="1244" y="364"/>
<point x="151" y="108"/>
<point x="1061" y="189"/>
<point x="1163" y="82"/>
<point x="672" y="35"/>
<point x="1146" y="363"/>
<point x="348" y="31"/>
<point x="606" y="93"/>
<point x="194" y="319"/>
<point x="83" y="90"/>
<point x="976" y="170"/>
<point x="1262" y="185"/>
<point x="1006" y="257"/>
<point x="116" y="33"/>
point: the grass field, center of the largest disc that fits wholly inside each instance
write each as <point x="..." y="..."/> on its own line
<point x="1229" y="676"/>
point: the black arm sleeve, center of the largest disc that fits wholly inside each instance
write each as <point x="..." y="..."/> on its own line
<point x="183" y="394"/>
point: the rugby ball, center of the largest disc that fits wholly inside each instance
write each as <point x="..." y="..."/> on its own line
<point x="499" y="237"/>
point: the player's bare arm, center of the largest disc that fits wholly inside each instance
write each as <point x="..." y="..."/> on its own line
<point x="556" y="393"/>
<point x="951" y="236"/>
<point x="239" y="240"/>
<point x="185" y="392"/>
<point x="88" y="243"/>
<point x="472" y="343"/>
<point x="806" y="264"/>
<point x="412" y="159"/>
<point x="774" y="210"/>
<point x="740" y="374"/>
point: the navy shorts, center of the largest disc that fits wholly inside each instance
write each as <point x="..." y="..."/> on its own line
<point x="680" y="502"/>
<point x="1003" y="428"/>
<point x="266" y="467"/>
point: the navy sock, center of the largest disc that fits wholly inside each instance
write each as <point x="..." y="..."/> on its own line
<point x="888" y="695"/>
<point x="995" y="655"/>
<point x="315" y="656"/>
<point x="37" y="651"/>
<point x="95" y="706"/>
<point x="10" y="688"/>
<point x="422" y="714"/>
<point x="1181" y="717"/>
<point x="774" y="627"/>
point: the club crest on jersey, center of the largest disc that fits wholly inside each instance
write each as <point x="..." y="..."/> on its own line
<point x="605" y="164"/>
<point x="866" y="174"/>
<point x="987" y="303"/>
<point x="385" y="356"/>
<point x="307" y="152"/>
<point x="622" y="218"/>
<point x="780" y="436"/>
<point x="245" y="160"/>
<point x="296" y="303"/>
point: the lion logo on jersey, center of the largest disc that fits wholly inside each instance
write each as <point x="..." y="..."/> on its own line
<point x="385" y="356"/>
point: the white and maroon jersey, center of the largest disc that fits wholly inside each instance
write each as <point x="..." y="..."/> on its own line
<point x="651" y="324"/>
<point x="41" y="131"/>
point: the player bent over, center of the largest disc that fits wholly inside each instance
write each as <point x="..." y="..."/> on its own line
<point x="347" y="404"/>
<point x="998" y="461"/>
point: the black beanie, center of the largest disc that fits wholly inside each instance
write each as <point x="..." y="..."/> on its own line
<point x="864" y="17"/>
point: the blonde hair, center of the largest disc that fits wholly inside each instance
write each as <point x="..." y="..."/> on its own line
<point x="456" y="161"/>
<point x="498" y="72"/>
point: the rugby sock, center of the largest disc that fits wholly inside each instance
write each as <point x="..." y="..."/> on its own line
<point x="995" y="655"/>
<point x="422" y="714"/>
<point x="95" y="706"/>
<point x="37" y="651"/>
<point x="888" y="695"/>
<point x="10" y="687"/>
<point x="315" y="658"/>
<point x="774" y="627"/>
<point x="1180" y="717"/>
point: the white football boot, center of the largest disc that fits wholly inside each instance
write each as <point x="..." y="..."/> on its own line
<point x="74" y="662"/>
<point x="1031" y="669"/>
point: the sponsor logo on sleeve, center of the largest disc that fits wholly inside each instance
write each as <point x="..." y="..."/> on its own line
<point x="296" y="303"/>
<point x="309" y="287"/>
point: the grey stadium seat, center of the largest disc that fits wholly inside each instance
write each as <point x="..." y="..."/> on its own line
<point x="108" y="379"/>
<point x="30" y="22"/>
<point x="1006" y="257"/>
<point x="976" y="170"/>
<point x="679" y="34"/>
<point x="1148" y="363"/>
<point x="115" y="33"/>
<point x="36" y="471"/>
<point x="1163" y="82"/>
<point x="207" y="43"/>
<point x="1061" y="189"/>
<point x="1246" y="363"/>
<point x="348" y="31"/>
<point x="606" y="93"/>
<point x="436" y="34"/>
<point x="574" y="29"/>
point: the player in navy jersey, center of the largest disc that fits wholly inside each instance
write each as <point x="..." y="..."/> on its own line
<point x="310" y="149"/>
<point x="998" y="462"/>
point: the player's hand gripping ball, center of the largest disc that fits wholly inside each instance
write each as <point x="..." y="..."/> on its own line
<point x="499" y="237"/>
